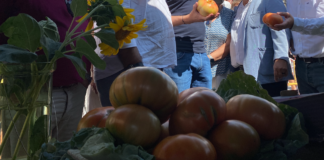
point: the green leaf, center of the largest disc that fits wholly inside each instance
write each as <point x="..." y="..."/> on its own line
<point x="23" y="31"/>
<point x="50" y="29"/>
<point x="118" y="11"/>
<point x="85" y="49"/>
<point x="107" y="36"/>
<point x="91" y="41"/>
<point x="13" y="54"/>
<point x="50" y="47"/>
<point x="7" y="28"/>
<point x="79" y="7"/>
<point x="78" y="64"/>
<point x="38" y="134"/>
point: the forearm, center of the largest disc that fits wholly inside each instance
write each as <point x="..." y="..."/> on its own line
<point x="223" y="50"/>
<point x="129" y="56"/>
<point x="313" y="26"/>
<point x="180" y="20"/>
<point x="220" y="52"/>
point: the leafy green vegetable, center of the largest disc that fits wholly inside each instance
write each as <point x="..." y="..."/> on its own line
<point x="94" y="144"/>
<point x="295" y="136"/>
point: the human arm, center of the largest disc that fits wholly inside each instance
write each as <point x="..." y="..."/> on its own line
<point x="223" y="50"/>
<point x="280" y="42"/>
<point x="192" y="17"/>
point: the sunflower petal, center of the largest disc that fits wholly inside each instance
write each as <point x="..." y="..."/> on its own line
<point x="89" y="26"/>
<point x="119" y="21"/>
<point x="79" y="20"/>
<point x="114" y="26"/>
<point x="121" y="2"/>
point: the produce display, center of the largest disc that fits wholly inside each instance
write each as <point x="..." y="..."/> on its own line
<point x="95" y="118"/>
<point x="235" y="139"/>
<point x="261" y="114"/>
<point x="238" y="122"/>
<point x="207" y="7"/>
<point x="186" y="147"/>
<point x="199" y="110"/>
<point x="146" y="86"/>
<point x="272" y="19"/>
<point x="134" y="124"/>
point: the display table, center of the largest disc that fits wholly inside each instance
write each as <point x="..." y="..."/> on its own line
<point x="312" y="107"/>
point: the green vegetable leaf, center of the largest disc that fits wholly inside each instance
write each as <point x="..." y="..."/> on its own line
<point x="85" y="49"/>
<point x="38" y="134"/>
<point x="13" y="54"/>
<point x="79" y="7"/>
<point x="107" y="36"/>
<point x="23" y="31"/>
<point x="50" y="47"/>
<point x="50" y="29"/>
<point x="91" y="41"/>
<point x="78" y="64"/>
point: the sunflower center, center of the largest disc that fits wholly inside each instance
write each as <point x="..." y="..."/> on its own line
<point x="121" y="34"/>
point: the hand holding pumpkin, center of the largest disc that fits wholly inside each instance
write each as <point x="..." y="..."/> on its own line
<point x="196" y="16"/>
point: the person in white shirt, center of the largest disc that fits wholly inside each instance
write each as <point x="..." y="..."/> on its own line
<point x="258" y="50"/>
<point x="154" y="47"/>
<point x="313" y="26"/>
<point x="308" y="44"/>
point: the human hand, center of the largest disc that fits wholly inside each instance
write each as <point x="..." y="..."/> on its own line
<point x="280" y="68"/>
<point x="288" y="23"/>
<point x="195" y="16"/>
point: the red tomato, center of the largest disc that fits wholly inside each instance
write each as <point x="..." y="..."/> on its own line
<point x="206" y="7"/>
<point x="134" y="124"/>
<point x="95" y="118"/>
<point x="197" y="113"/>
<point x="235" y="140"/>
<point x="185" y="147"/>
<point x="148" y="87"/>
<point x="261" y="114"/>
<point x="164" y="131"/>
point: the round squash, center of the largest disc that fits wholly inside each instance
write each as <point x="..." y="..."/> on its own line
<point x="185" y="147"/>
<point x="134" y="124"/>
<point x="148" y="87"/>
<point x="95" y="118"/>
<point x="267" y="119"/>
<point x="198" y="113"/>
<point x="235" y="140"/>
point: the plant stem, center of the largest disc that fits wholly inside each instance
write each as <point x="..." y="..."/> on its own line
<point x="23" y="130"/>
<point x="12" y="123"/>
<point x="30" y="127"/>
<point x="85" y="33"/>
<point x="77" y="26"/>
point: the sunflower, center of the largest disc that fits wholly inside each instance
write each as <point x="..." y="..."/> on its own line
<point x="128" y="11"/>
<point x="124" y="32"/>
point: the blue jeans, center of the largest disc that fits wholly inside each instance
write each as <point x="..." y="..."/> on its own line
<point x="310" y="76"/>
<point x="192" y="70"/>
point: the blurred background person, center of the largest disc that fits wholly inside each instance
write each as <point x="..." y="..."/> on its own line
<point x="217" y="33"/>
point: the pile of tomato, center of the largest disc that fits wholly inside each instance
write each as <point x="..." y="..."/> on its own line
<point x="195" y="124"/>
